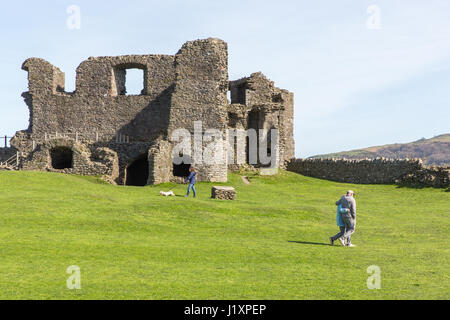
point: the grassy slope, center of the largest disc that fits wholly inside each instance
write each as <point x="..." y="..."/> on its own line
<point x="132" y="243"/>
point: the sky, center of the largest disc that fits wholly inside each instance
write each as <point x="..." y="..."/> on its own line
<point x="363" y="73"/>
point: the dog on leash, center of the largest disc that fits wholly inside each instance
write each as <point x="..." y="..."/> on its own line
<point x="167" y="194"/>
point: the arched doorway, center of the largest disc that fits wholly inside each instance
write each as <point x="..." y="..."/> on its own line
<point x="62" y="158"/>
<point x="137" y="172"/>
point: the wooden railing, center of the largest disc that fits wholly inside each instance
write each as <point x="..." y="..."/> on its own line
<point x="93" y="136"/>
<point x="12" y="162"/>
<point x="5" y="141"/>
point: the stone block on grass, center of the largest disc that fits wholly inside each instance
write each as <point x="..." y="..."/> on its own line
<point x="223" y="192"/>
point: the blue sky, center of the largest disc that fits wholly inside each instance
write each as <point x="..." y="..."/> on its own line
<point x="354" y="86"/>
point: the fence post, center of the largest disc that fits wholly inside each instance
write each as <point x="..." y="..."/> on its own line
<point x="17" y="158"/>
<point x="6" y="141"/>
<point x="76" y="136"/>
<point x="96" y="136"/>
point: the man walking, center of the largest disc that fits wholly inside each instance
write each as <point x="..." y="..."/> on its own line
<point x="340" y="223"/>
<point x="349" y="218"/>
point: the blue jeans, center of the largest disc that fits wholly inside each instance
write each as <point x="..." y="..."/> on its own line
<point x="191" y="186"/>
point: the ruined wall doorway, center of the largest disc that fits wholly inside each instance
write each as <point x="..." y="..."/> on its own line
<point x="137" y="172"/>
<point x="182" y="169"/>
<point x="255" y="121"/>
<point x="62" y="158"/>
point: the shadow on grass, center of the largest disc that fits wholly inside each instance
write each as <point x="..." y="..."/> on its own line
<point x="313" y="243"/>
<point x="444" y="189"/>
<point x="401" y="186"/>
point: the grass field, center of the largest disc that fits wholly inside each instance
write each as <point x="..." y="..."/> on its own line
<point x="271" y="243"/>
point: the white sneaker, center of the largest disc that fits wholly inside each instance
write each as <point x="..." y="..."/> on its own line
<point x="342" y="241"/>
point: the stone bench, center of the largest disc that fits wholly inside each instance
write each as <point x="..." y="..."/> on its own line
<point x="225" y="193"/>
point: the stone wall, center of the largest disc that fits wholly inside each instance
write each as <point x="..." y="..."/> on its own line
<point x="6" y="153"/>
<point x="101" y="161"/>
<point x="200" y="94"/>
<point x="257" y="104"/>
<point x="372" y="171"/>
<point x="178" y="90"/>
<point x="160" y="163"/>
<point x="99" y="103"/>
<point x="436" y="177"/>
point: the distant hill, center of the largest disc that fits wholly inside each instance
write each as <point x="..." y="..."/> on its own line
<point x="434" y="151"/>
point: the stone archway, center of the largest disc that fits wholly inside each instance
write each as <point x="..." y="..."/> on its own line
<point x="137" y="172"/>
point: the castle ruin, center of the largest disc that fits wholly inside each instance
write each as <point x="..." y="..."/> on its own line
<point x="100" y="130"/>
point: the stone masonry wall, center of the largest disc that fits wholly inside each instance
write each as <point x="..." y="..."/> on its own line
<point x="376" y="171"/>
<point x="6" y="153"/>
<point x="99" y="104"/>
<point x="200" y="94"/>
<point x="160" y="162"/>
<point x="178" y="90"/>
<point x="102" y="161"/>
<point x="257" y="104"/>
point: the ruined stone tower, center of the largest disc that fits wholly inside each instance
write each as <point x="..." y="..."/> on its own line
<point x="100" y="130"/>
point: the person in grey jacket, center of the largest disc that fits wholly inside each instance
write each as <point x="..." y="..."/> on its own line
<point x="349" y="218"/>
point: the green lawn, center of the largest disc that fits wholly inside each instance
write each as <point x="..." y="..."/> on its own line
<point x="271" y="243"/>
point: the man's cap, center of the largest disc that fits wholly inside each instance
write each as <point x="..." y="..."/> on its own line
<point x="350" y="191"/>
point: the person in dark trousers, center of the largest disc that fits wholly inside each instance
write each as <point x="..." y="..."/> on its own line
<point x="349" y="218"/>
<point x="340" y="223"/>
<point x="191" y="180"/>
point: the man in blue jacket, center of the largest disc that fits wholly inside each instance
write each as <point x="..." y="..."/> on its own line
<point x="191" y="180"/>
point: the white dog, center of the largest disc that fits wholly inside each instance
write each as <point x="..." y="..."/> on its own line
<point x="167" y="194"/>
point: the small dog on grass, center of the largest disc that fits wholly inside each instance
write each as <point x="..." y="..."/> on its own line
<point x="167" y="194"/>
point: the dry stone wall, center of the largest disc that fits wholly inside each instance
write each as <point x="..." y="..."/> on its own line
<point x="373" y="171"/>
<point x="436" y="177"/>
